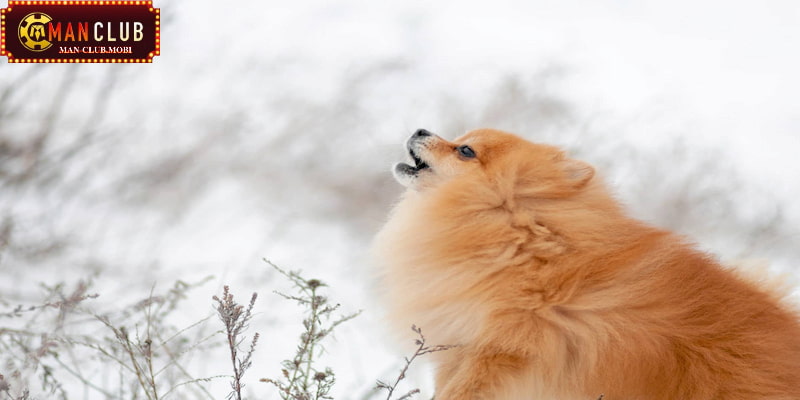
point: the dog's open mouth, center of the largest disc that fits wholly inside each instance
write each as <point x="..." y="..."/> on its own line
<point x="408" y="169"/>
<point x="418" y="163"/>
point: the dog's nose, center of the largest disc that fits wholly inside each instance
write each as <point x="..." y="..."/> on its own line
<point x="421" y="133"/>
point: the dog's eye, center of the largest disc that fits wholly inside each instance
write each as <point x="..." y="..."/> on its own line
<point x="466" y="151"/>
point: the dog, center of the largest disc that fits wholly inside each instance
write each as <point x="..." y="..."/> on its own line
<point x="520" y="257"/>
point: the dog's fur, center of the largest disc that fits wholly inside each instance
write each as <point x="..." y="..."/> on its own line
<point x="522" y="258"/>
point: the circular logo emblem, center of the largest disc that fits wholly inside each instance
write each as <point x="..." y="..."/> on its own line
<point x="33" y="31"/>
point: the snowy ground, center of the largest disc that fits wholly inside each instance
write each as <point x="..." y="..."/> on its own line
<point x="266" y="130"/>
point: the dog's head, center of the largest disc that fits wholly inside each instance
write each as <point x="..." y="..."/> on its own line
<point x="487" y="158"/>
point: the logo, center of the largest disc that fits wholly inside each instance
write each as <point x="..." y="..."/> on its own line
<point x="80" y="31"/>
<point x="32" y="31"/>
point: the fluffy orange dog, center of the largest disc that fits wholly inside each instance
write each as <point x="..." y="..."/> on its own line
<point x="519" y="255"/>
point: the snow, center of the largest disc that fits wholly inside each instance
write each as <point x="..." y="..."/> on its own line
<point x="266" y="130"/>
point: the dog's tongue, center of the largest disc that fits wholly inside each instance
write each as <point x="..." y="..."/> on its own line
<point x="409" y="167"/>
<point x="406" y="169"/>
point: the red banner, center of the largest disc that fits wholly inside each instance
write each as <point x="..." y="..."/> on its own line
<point x="80" y="31"/>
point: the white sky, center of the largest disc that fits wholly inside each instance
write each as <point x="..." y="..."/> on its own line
<point x="726" y="70"/>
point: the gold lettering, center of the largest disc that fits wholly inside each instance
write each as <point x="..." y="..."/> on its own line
<point x="83" y="31"/>
<point x="97" y="36"/>
<point x="54" y="32"/>
<point x="69" y="35"/>
<point x="138" y="35"/>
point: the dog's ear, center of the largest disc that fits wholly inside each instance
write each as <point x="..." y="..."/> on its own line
<point x="577" y="173"/>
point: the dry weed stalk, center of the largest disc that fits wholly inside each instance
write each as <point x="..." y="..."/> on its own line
<point x="236" y="319"/>
<point x="422" y="349"/>
<point x="302" y="378"/>
<point x="29" y="348"/>
<point x="58" y="350"/>
<point x="151" y="354"/>
<point x="140" y="356"/>
<point x="65" y="304"/>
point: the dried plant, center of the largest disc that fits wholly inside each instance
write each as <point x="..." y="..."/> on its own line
<point x="5" y="387"/>
<point x="64" y="303"/>
<point x="140" y="357"/>
<point x="302" y="379"/>
<point x="31" y="343"/>
<point x="69" y="351"/>
<point x="236" y="319"/>
<point x="152" y="350"/>
<point x="422" y="349"/>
